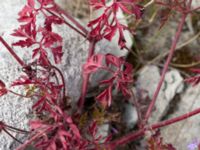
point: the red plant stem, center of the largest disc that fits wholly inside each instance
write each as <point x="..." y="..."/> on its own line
<point x="132" y="136"/>
<point x="76" y="23"/>
<point x="169" y="58"/>
<point x="68" y="24"/>
<point x="12" y="52"/>
<point x="137" y="106"/>
<point x="86" y="76"/>
<point x="192" y="10"/>
<point x="63" y="80"/>
<point x="17" y="94"/>
<point x="29" y="141"/>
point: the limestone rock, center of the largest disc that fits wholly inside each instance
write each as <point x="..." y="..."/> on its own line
<point x="173" y="84"/>
<point x="130" y="117"/>
<point x="195" y="3"/>
<point x="183" y="133"/>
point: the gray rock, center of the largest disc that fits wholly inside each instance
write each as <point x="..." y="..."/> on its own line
<point x="130" y="117"/>
<point x="195" y="3"/>
<point x="183" y="133"/>
<point x="173" y="84"/>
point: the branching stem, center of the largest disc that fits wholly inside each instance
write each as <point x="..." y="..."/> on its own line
<point x="133" y="136"/>
<point x="169" y="58"/>
<point x="21" y="62"/>
<point x="86" y="76"/>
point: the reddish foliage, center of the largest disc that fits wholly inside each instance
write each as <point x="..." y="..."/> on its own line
<point x="121" y="78"/>
<point x="155" y="142"/>
<point x="42" y="36"/>
<point x="106" y="25"/>
<point x="55" y="127"/>
<point x="64" y="134"/>
<point x="194" y="80"/>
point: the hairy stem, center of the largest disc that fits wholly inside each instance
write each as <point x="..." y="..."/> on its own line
<point x="68" y="24"/>
<point x="37" y="135"/>
<point x="63" y="80"/>
<point x="17" y="94"/>
<point x="86" y="76"/>
<point x="21" y="62"/>
<point x="169" y="58"/>
<point x="76" y="23"/>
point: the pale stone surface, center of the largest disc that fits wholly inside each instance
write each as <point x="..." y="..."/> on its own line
<point x="173" y="84"/>
<point x="183" y="133"/>
<point x="130" y="117"/>
<point x="195" y="3"/>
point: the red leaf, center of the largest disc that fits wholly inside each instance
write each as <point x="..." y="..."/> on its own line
<point x="64" y="133"/>
<point x="18" y="33"/>
<point x="97" y="4"/>
<point x="93" y="63"/>
<point x="193" y="80"/>
<point x="23" y="80"/>
<point x="36" y="124"/>
<point x="122" y="40"/>
<point x="113" y="60"/>
<point x="35" y="52"/>
<point x="51" y="38"/>
<point x="196" y="79"/>
<point x="75" y="131"/>
<point x="108" y="81"/>
<point x="125" y="91"/>
<point x="25" y="11"/>
<point x="93" y="128"/>
<point x="46" y="2"/>
<point x="105" y="97"/>
<point x="128" y="69"/>
<point x="24" y="43"/>
<point x="39" y="102"/>
<point x="63" y="141"/>
<point x="155" y="142"/>
<point x="111" y="34"/>
<point x="95" y="21"/>
<point x="135" y="9"/>
<point x="31" y="3"/>
<point x="57" y="54"/>
<point x="3" y="89"/>
<point x="43" y="60"/>
<point x="52" y="146"/>
<point x="52" y="20"/>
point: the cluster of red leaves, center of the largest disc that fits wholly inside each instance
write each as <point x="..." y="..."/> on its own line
<point x="107" y="24"/>
<point x="155" y="142"/>
<point x="42" y="37"/>
<point x="55" y="133"/>
<point x="121" y="75"/>
<point x="47" y="92"/>
<point x="53" y="127"/>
